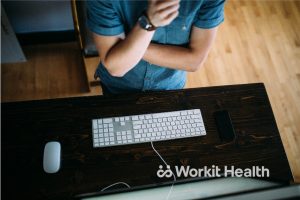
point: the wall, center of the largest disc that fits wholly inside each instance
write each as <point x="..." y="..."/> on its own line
<point x="39" y="16"/>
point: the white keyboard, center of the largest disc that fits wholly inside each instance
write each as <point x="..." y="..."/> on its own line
<point x="148" y="127"/>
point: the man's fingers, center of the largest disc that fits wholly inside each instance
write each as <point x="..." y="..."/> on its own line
<point x="168" y="11"/>
<point x="162" y="12"/>
<point x="171" y="17"/>
<point x="161" y="5"/>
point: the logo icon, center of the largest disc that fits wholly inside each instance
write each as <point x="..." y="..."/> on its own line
<point x="164" y="173"/>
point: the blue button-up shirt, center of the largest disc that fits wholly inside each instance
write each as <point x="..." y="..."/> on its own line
<point x="106" y="17"/>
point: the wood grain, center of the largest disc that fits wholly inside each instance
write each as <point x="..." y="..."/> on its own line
<point x="87" y="170"/>
<point x="260" y="42"/>
<point x="52" y="70"/>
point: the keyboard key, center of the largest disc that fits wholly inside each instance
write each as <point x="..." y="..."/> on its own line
<point x="196" y="111"/>
<point x="107" y="120"/>
<point x="95" y="131"/>
<point x="195" y="116"/>
<point x="183" y="113"/>
<point x="137" y="136"/>
<point x="136" y="126"/>
<point x="137" y="122"/>
<point x="135" y="117"/>
<point x="95" y="124"/>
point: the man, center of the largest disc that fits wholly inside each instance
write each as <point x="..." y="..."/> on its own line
<point x="150" y="45"/>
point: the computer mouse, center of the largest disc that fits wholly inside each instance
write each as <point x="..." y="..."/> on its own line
<point x="51" y="160"/>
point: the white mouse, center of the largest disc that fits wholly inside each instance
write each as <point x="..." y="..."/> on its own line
<point x="51" y="161"/>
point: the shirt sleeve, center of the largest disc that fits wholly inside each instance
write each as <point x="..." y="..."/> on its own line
<point x="103" y="19"/>
<point x="210" y="14"/>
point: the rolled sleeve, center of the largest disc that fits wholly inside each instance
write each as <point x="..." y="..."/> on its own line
<point x="103" y="19"/>
<point x="210" y="14"/>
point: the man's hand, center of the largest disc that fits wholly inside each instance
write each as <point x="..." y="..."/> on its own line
<point x="162" y="13"/>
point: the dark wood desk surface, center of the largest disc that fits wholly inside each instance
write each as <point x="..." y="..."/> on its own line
<point x="28" y="126"/>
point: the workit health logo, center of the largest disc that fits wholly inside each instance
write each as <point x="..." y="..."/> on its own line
<point x="213" y="171"/>
<point x="164" y="173"/>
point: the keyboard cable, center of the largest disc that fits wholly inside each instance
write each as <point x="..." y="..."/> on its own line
<point x="174" y="177"/>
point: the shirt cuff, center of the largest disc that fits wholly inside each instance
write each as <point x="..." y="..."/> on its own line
<point x="211" y="23"/>
<point x="106" y="31"/>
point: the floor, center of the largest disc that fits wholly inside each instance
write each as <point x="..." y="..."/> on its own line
<point x="258" y="42"/>
<point x="51" y="71"/>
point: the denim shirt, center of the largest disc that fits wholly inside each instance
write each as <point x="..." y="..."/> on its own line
<point x="109" y="18"/>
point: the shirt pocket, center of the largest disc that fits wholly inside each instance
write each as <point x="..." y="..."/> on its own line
<point x="178" y="32"/>
<point x="159" y="36"/>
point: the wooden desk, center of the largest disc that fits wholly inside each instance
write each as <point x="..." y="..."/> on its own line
<point x="28" y="126"/>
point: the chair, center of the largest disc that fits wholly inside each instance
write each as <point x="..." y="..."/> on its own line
<point x="86" y="43"/>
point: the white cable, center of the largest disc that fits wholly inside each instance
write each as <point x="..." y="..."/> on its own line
<point x="174" y="177"/>
<point x="115" y="184"/>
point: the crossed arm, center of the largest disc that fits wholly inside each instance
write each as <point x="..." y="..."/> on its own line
<point x="119" y="54"/>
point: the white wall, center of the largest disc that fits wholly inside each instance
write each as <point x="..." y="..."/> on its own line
<point x="39" y="16"/>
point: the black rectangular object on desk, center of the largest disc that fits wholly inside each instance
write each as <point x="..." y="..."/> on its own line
<point x="28" y="126"/>
<point x="224" y="125"/>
